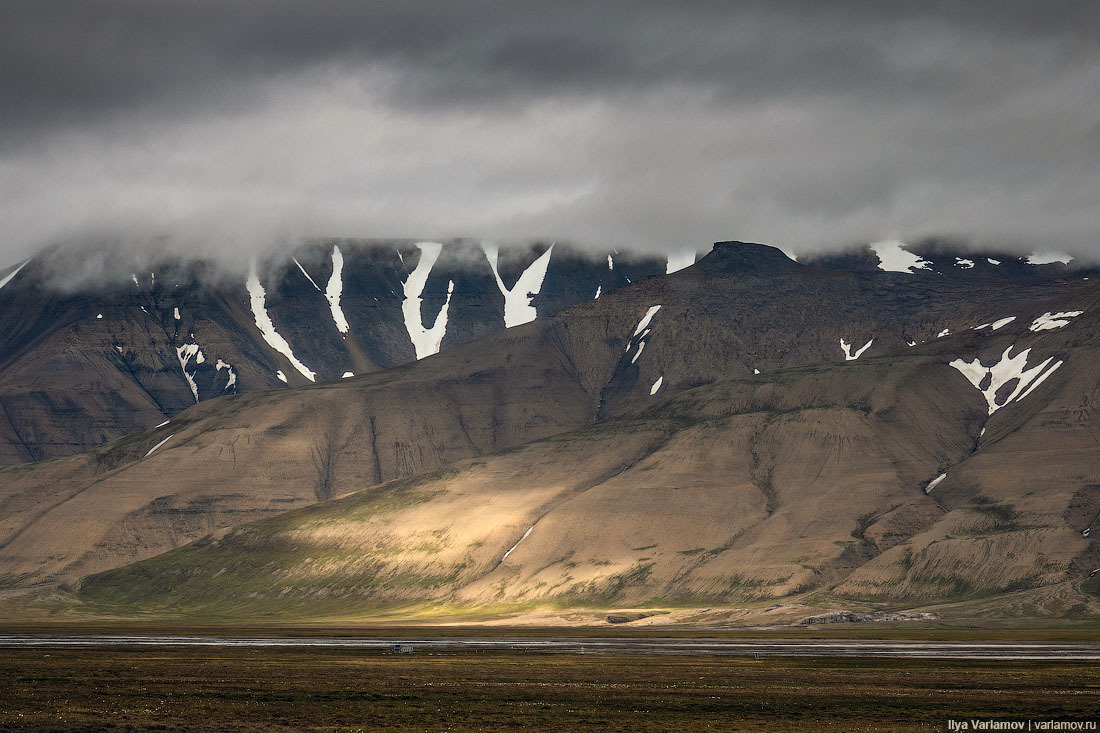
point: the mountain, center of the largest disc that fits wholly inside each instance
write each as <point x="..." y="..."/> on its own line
<point x="97" y="345"/>
<point x="748" y="428"/>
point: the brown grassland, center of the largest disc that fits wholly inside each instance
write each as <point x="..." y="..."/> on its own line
<point x="264" y="689"/>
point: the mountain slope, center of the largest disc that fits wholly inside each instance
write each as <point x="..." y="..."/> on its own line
<point x="88" y="358"/>
<point x="237" y="459"/>
<point x="808" y="479"/>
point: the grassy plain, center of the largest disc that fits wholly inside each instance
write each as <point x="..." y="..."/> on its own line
<point x="264" y="689"/>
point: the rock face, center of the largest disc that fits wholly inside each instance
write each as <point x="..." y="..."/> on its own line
<point x="89" y="354"/>
<point x="908" y="438"/>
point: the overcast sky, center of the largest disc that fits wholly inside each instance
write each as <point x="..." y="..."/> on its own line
<point x="227" y="125"/>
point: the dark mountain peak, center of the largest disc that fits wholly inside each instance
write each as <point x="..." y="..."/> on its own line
<point x="738" y="256"/>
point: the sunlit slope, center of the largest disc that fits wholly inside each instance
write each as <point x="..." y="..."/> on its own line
<point x="809" y="479"/>
<point x="234" y="460"/>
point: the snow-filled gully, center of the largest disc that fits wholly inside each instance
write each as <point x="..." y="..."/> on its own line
<point x="425" y="341"/>
<point x="258" y="302"/>
<point x="517" y="300"/>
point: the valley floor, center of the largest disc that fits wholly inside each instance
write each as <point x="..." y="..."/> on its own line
<point x="334" y="689"/>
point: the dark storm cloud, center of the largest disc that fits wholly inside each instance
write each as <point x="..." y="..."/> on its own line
<point x="666" y="124"/>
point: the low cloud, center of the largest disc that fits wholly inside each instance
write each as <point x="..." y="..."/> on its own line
<point x="221" y="130"/>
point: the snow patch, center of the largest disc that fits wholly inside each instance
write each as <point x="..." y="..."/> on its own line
<point x="910" y="343"/>
<point x="281" y="376"/>
<point x="1042" y="378"/>
<point x="517" y="301"/>
<point x="133" y="276"/>
<point x="599" y="289"/>
<point x="99" y="316"/>
<point x="1049" y="321"/>
<point x="992" y="261"/>
<point x="185" y="353"/>
<point x="996" y="324"/>
<point x="934" y="483"/>
<point x="162" y="424"/>
<point x="657" y="385"/>
<point x="425" y="341"/>
<point x="7" y="278"/>
<point x="334" y="288"/>
<point x="345" y="375"/>
<point x="311" y="282"/>
<point x="964" y="264"/>
<point x="847" y="349"/>
<point x="610" y="263"/>
<point x="644" y="323"/>
<point x="755" y="371"/>
<point x="521" y="539"/>
<point x="944" y="332"/>
<point x="258" y="301"/>
<point x="176" y="313"/>
<point x="232" y="373"/>
<point x="1046" y="258"/>
<point x="158" y="445"/>
<point x="678" y="261"/>
<point x="893" y="258"/>
<point x="641" y="332"/>
<point x="1006" y="369"/>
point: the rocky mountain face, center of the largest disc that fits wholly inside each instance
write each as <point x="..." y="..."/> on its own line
<point x="93" y="347"/>
<point x="747" y="428"/>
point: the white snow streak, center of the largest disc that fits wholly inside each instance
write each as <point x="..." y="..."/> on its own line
<point x="425" y="341"/>
<point x="996" y="324"/>
<point x="334" y="288"/>
<point x="934" y="483"/>
<point x="517" y="301"/>
<point x="657" y="385"/>
<point x="158" y="445"/>
<point x="893" y="258"/>
<point x="1042" y="378"/>
<point x="965" y="264"/>
<point x="1049" y="321"/>
<point x="521" y="539"/>
<point x="162" y="424"/>
<point x="232" y="373"/>
<point x="610" y="263"/>
<point x="184" y="354"/>
<point x="7" y="278"/>
<point x="944" y="332"/>
<point x="281" y="376"/>
<point x="847" y="349"/>
<point x="641" y="332"/>
<point x="1004" y="371"/>
<point x="678" y="261"/>
<point x="176" y="313"/>
<point x="1046" y="258"/>
<point x="599" y="289"/>
<point x="992" y="261"/>
<point x="257" y="297"/>
<point x="311" y="282"/>
<point x="644" y="323"/>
